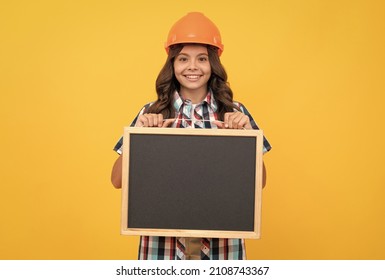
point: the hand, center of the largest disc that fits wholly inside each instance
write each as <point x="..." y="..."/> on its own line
<point x="153" y="120"/>
<point x="234" y="120"/>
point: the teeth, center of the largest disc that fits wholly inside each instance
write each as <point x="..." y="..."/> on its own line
<point x="192" y="76"/>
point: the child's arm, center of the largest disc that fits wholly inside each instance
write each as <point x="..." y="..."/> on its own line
<point x="116" y="174"/>
<point x="264" y="176"/>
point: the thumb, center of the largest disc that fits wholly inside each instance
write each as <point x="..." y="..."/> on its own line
<point x="168" y="122"/>
<point x="219" y="124"/>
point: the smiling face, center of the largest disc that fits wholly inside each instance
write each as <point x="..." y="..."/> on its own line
<point x="192" y="69"/>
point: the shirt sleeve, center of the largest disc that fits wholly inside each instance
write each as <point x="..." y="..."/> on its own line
<point x="266" y="144"/>
<point x="119" y="145"/>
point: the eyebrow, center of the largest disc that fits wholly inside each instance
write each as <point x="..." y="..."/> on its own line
<point x="189" y="55"/>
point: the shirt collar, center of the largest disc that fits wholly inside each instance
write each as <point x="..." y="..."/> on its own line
<point x="209" y="99"/>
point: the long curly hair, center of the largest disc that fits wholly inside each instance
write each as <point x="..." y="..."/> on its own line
<point x="167" y="84"/>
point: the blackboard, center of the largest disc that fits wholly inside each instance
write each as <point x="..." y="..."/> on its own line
<point x="192" y="182"/>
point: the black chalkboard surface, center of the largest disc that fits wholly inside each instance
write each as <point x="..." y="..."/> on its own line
<point x="192" y="182"/>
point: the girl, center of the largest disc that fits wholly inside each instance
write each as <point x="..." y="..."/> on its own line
<point x="192" y="92"/>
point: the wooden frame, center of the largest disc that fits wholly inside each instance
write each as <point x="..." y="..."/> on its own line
<point x="131" y="133"/>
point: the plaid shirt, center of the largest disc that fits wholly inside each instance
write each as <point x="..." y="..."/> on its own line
<point x="190" y="115"/>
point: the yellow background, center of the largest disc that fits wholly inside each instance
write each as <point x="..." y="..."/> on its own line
<point x="74" y="73"/>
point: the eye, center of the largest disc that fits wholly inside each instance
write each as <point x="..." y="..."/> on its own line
<point x="203" y="59"/>
<point x="182" y="58"/>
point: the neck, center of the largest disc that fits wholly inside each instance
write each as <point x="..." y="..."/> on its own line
<point x="196" y="96"/>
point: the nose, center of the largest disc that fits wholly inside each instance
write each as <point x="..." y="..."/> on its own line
<point x="192" y="65"/>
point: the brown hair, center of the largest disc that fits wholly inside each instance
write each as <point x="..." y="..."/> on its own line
<point x="167" y="84"/>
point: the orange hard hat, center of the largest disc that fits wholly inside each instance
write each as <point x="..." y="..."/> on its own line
<point x="194" y="27"/>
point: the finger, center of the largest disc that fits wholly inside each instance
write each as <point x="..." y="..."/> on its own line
<point x="231" y="120"/>
<point x="138" y="122"/>
<point x="168" y="122"/>
<point x="237" y="118"/>
<point x="150" y="119"/>
<point x="219" y="124"/>
<point x="160" y="120"/>
<point x="226" y="119"/>
<point x="154" y="119"/>
<point x="242" y="122"/>
<point x="143" y="122"/>
<point x="248" y="125"/>
<point x="245" y="122"/>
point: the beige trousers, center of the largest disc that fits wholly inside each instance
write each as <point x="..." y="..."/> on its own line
<point x="193" y="248"/>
